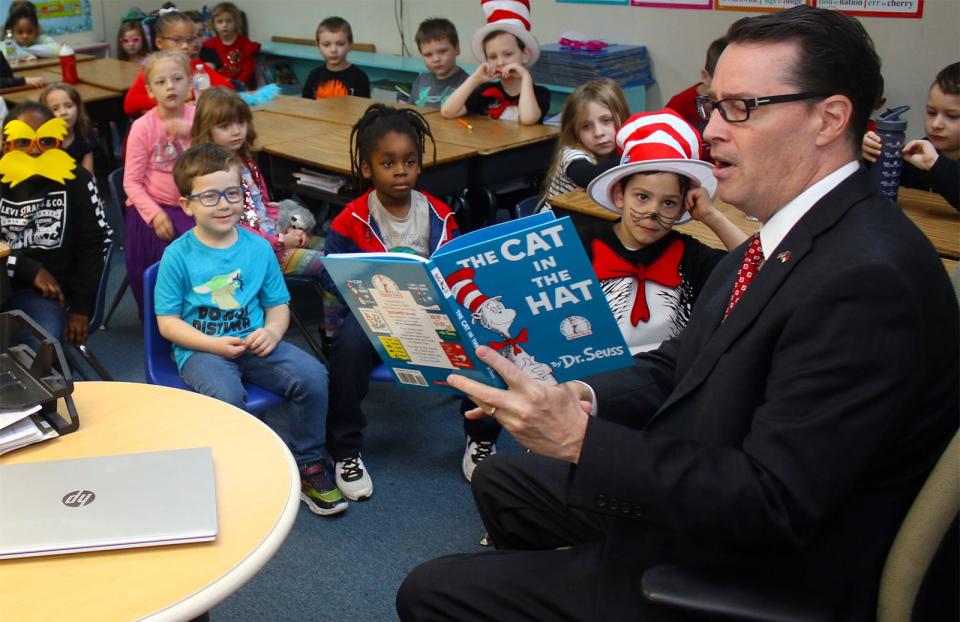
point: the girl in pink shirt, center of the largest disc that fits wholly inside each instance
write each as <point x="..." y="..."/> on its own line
<point x="155" y="142"/>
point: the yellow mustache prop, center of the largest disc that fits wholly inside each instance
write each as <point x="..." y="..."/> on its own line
<point x="16" y="166"/>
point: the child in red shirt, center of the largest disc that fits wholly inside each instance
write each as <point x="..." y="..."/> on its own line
<point x="237" y="53"/>
<point x="174" y="32"/>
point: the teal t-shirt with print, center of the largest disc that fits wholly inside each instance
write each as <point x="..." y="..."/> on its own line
<point x="430" y="92"/>
<point x="219" y="291"/>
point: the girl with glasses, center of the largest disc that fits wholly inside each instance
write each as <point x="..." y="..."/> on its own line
<point x="132" y="43"/>
<point x="173" y="32"/>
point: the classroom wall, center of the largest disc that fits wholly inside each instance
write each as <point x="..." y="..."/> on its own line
<point x="913" y="50"/>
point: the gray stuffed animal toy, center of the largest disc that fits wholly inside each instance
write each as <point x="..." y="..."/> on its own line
<point x="295" y="216"/>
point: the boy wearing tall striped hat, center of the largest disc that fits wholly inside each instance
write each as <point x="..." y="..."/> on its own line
<point x="650" y="274"/>
<point x="502" y="87"/>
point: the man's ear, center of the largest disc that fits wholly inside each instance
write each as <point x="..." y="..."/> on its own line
<point x="834" y="114"/>
<point x="456" y="50"/>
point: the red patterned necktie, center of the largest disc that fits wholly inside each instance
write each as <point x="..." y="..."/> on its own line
<point x="748" y="269"/>
<point x="664" y="270"/>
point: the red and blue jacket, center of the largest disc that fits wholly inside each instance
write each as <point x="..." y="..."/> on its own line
<point x="355" y="231"/>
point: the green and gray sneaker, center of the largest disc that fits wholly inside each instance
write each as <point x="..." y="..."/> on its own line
<point x="319" y="493"/>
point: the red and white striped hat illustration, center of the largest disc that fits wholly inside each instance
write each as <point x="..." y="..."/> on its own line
<point x="511" y="16"/>
<point x="655" y="141"/>
<point x="466" y="291"/>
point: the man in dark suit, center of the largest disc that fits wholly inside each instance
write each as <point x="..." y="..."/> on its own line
<point x="788" y="429"/>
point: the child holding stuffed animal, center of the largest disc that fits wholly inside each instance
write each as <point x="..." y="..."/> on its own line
<point x="225" y="119"/>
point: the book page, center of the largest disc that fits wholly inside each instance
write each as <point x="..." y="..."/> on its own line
<point x="412" y="332"/>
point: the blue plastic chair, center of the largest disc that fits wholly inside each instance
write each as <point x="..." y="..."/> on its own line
<point x="528" y="206"/>
<point x="160" y="368"/>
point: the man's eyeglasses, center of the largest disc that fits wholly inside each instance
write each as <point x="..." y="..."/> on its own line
<point x="211" y="198"/>
<point x="181" y="40"/>
<point x="737" y="109"/>
<point x="26" y="145"/>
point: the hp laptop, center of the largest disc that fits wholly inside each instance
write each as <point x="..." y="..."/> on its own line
<point x="108" y="502"/>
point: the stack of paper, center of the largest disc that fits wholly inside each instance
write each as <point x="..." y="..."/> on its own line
<point x="19" y="429"/>
<point x="628" y="65"/>
<point x="320" y="181"/>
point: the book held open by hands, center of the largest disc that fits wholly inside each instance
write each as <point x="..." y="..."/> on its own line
<point x="523" y="287"/>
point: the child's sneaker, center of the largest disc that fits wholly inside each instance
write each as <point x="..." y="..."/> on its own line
<point x="475" y="453"/>
<point x="353" y="480"/>
<point x="318" y="492"/>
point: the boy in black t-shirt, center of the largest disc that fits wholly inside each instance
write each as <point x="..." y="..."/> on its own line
<point x="337" y="77"/>
<point x="507" y="51"/>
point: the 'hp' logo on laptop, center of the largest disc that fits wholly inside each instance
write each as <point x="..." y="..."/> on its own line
<point x="78" y="498"/>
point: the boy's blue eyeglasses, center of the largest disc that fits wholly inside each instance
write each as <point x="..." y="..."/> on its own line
<point x="211" y="198"/>
<point x="737" y="109"/>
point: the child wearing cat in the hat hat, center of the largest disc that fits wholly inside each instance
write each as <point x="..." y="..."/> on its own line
<point x="650" y="274"/>
<point x="502" y="87"/>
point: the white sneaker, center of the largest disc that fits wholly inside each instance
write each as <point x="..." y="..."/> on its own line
<point x="475" y="453"/>
<point x="353" y="480"/>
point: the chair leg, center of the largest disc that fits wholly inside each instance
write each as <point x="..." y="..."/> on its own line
<point x="72" y="361"/>
<point x="95" y="362"/>
<point x="116" y="302"/>
<point x="317" y="350"/>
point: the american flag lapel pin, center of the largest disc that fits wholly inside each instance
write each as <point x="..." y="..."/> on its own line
<point x="783" y="257"/>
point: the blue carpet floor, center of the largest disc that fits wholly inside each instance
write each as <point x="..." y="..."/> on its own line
<point x="348" y="567"/>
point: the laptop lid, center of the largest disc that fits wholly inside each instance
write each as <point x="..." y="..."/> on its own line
<point x="107" y="502"/>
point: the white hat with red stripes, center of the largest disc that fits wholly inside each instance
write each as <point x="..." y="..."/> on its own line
<point x="466" y="291"/>
<point x="655" y="141"/>
<point x="511" y="16"/>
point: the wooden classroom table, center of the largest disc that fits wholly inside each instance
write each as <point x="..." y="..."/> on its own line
<point x="341" y="110"/>
<point x="579" y="202"/>
<point x="48" y="62"/>
<point x="109" y="73"/>
<point x="935" y="217"/>
<point x="258" y="494"/>
<point x="275" y="128"/>
<point x="88" y="92"/>
<point x="324" y="145"/>
<point x="490" y="136"/>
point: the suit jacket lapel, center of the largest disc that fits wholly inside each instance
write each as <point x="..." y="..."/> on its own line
<point x="799" y="242"/>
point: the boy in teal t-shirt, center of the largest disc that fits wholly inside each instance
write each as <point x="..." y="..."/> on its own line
<point x="221" y="300"/>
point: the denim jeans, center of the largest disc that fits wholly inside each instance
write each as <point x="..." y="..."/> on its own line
<point x="46" y="312"/>
<point x="287" y="371"/>
<point x="352" y="358"/>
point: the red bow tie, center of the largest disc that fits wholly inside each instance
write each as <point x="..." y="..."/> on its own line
<point x="495" y="93"/>
<point x="521" y="338"/>
<point x="665" y="270"/>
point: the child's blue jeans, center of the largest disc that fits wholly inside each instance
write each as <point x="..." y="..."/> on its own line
<point x="287" y="371"/>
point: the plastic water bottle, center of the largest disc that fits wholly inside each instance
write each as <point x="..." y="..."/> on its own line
<point x="68" y="64"/>
<point x="10" y="48"/>
<point x="201" y="80"/>
<point x="893" y="135"/>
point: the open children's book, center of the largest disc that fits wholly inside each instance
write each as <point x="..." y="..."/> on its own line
<point x="523" y="287"/>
